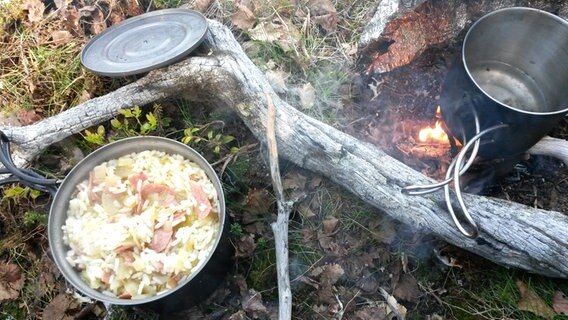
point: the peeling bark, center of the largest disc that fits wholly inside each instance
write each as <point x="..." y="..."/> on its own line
<point x="511" y="234"/>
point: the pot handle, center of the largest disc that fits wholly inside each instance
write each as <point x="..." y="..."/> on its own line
<point x="456" y="167"/>
<point x="27" y="177"/>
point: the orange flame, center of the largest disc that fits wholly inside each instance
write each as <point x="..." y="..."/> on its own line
<point x="436" y="133"/>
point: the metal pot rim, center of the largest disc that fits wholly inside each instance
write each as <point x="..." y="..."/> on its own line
<point x="112" y="151"/>
<point x="499" y="11"/>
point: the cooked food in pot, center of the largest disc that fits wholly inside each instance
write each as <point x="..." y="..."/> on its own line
<point x="141" y="223"/>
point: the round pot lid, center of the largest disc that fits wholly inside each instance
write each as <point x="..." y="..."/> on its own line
<point x="144" y="42"/>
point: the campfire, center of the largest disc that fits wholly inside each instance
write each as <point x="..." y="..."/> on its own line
<point x="435" y="134"/>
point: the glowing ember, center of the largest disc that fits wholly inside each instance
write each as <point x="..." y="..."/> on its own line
<point x="434" y="134"/>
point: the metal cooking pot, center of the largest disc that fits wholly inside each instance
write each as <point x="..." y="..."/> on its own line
<point x="188" y="292"/>
<point x="513" y="70"/>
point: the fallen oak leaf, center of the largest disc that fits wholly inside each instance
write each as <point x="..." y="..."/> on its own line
<point x="243" y="19"/>
<point x="281" y="31"/>
<point x="71" y="21"/>
<point x="245" y="246"/>
<point x="329" y="225"/>
<point x="560" y="303"/>
<point x="252" y="304"/>
<point x="11" y="281"/>
<point x="532" y="303"/>
<point x="202" y="5"/>
<point x="98" y="24"/>
<point x="35" y="10"/>
<point x="59" y="307"/>
<point x="323" y="13"/>
<point x="60" y="36"/>
<point x="27" y="117"/>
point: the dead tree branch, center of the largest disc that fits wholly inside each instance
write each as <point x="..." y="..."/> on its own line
<point x="280" y="227"/>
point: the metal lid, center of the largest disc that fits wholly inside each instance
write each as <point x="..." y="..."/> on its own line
<point x="144" y="42"/>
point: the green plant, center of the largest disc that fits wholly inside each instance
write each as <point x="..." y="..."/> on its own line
<point x="33" y="218"/>
<point x="133" y="123"/>
<point x="17" y="193"/>
<point x="236" y="230"/>
<point x="213" y="139"/>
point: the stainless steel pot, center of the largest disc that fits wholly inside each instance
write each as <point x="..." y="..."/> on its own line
<point x="513" y="70"/>
<point x="188" y="292"/>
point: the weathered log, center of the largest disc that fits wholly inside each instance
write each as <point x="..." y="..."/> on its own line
<point x="552" y="147"/>
<point x="510" y="233"/>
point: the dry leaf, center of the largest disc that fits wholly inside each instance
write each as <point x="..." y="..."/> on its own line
<point x="323" y="13"/>
<point x="315" y="182"/>
<point x="277" y="80"/>
<point x="368" y="281"/>
<point x="307" y="96"/>
<point x="201" y="5"/>
<point x="532" y="303"/>
<point x="98" y="24"/>
<point x="305" y="211"/>
<point x="328" y="276"/>
<point x="560" y="303"/>
<point x="61" y="4"/>
<point x="27" y="117"/>
<point x="256" y="204"/>
<point x="243" y="19"/>
<point x="308" y="235"/>
<point x="35" y="10"/>
<point x="331" y="274"/>
<point x="407" y="289"/>
<point x="373" y="313"/>
<point x="252" y="304"/>
<point x="60" y="36"/>
<point x="71" y="21"/>
<point x="133" y="8"/>
<point x="239" y="315"/>
<point x="115" y="17"/>
<point x="245" y="246"/>
<point x="58" y="307"/>
<point x="11" y="281"/>
<point x="294" y="180"/>
<point x="282" y="32"/>
<point x="329" y="225"/>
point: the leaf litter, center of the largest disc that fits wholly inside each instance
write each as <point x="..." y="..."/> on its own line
<point x="11" y="281"/>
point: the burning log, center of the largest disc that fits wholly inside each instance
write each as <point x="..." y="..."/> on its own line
<point x="511" y="234"/>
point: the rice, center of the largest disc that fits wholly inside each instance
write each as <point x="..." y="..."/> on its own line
<point x="141" y="224"/>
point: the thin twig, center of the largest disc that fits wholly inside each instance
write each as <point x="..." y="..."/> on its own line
<point x="280" y="227"/>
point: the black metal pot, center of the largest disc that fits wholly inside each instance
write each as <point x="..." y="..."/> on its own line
<point x="513" y="70"/>
<point x="188" y="292"/>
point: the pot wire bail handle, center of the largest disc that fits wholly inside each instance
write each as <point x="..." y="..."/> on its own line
<point x="27" y="177"/>
<point x="455" y="170"/>
<point x="455" y="167"/>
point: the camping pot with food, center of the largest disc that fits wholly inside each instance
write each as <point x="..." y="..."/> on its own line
<point x="138" y="222"/>
<point x="504" y="94"/>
